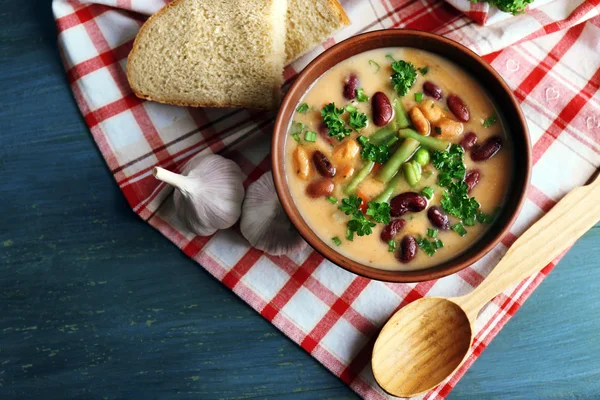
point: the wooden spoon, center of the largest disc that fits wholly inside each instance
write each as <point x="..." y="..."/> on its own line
<point x="426" y="341"/>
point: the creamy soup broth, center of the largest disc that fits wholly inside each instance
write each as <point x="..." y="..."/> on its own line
<point x="324" y="217"/>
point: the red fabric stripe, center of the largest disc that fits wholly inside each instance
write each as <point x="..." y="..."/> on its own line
<point x="241" y="267"/>
<point x="292" y="285"/>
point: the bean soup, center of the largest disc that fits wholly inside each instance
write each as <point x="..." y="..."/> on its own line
<point x="398" y="159"/>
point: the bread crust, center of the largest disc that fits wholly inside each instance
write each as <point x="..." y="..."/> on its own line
<point x="342" y="16"/>
<point x="176" y="103"/>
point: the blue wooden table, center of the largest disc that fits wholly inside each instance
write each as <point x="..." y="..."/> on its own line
<point x="96" y="304"/>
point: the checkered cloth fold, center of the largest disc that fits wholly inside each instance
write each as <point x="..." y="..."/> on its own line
<point x="550" y="57"/>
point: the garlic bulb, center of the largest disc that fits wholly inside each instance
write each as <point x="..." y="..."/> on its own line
<point x="208" y="193"/>
<point x="264" y="222"/>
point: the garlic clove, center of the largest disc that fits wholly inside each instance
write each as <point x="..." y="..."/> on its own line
<point x="264" y="222"/>
<point x="208" y="193"/>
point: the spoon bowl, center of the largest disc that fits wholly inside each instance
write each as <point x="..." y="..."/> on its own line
<point x="420" y="346"/>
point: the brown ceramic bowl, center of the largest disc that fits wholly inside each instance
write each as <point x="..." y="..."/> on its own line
<point x="469" y="61"/>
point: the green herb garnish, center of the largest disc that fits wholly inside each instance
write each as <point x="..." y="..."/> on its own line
<point x="390" y="56"/>
<point x="489" y="121"/>
<point x="298" y="128"/>
<point x="357" y="120"/>
<point x="362" y="140"/>
<point x="427" y="192"/>
<point x="361" y="97"/>
<point x="427" y="246"/>
<point x="404" y="76"/>
<point x="332" y="199"/>
<point x="455" y="199"/>
<point x="391" y="246"/>
<point x="375" y="65"/>
<point x="378" y="153"/>
<point x="336" y="240"/>
<point x="310" y="136"/>
<point x="459" y="228"/>
<point x="379" y="211"/>
<point x="510" y="6"/>
<point x="438" y="244"/>
<point x="432" y="233"/>
<point x="296" y="137"/>
<point x="333" y="121"/>
<point x="302" y="108"/>
<point x="418" y="97"/>
<point x="424" y="70"/>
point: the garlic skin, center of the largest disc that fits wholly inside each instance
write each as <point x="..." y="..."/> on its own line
<point x="264" y="222"/>
<point x="208" y="193"/>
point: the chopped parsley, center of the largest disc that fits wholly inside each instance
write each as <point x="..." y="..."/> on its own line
<point x="455" y="199"/>
<point x="424" y="70"/>
<point x="438" y="244"/>
<point x="404" y="76"/>
<point x="357" y="119"/>
<point x="511" y="6"/>
<point x="418" y="97"/>
<point x="374" y="65"/>
<point x="310" y="136"/>
<point x="378" y="153"/>
<point x="379" y="211"/>
<point x="489" y="121"/>
<point x="333" y="121"/>
<point x="359" y="224"/>
<point x="432" y="233"/>
<point x="336" y="240"/>
<point x="427" y="192"/>
<point x="361" y="96"/>
<point x="332" y="199"/>
<point x="391" y="246"/>
<point x="302" y="108"/>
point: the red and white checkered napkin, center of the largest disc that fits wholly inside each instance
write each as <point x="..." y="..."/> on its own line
<point x="552" y="63"/>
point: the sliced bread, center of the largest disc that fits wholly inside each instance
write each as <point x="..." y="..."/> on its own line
<point x="205" y="53"/>
<point x="309" y="23"/>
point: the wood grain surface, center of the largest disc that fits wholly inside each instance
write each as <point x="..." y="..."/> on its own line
<point x="96" y="304"/>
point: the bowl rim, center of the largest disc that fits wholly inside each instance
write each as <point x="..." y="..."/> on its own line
<point x="278" y="140"/>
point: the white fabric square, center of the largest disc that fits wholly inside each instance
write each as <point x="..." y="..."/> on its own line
<point x="376" y="303"/>
<point x="78" y="45"/>
<point x="266" y="278"/>
<point x="305" y="310"/>
<point x="125" y="137"/>
<point x="99" y="88"/>
<point x="228" y="247"/>
<point x="529" y="213"/>
<point x="334" y="277"/>
<point x="116" y="27"/>
<point x="560" y="170"/>
<point x="344" y="341"/>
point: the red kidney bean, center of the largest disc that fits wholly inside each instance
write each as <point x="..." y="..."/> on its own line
<point x="487" y="150"/>
<point x="438" y="218"/>
<point x="324" y="132"/>
<point x="321" y="188"/>
<point x="391" y="229"/>
<point x="350" y="86"/>
<point x="469" y="140"/>
<point x="472" y="178"/>
<point x="408" y="249"/>
<point x="458" y="108"/>
<point x="382" y="109"/>
<point x="432" y="90"/>
<point x="323" y="164"/>
<point x="405" y="202"/>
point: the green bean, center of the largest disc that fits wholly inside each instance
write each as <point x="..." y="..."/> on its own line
<point x="391" y="141"/>
<point x="391" y="167"/>
<point x="426" y="141"/>
<point x="412" y="172"/>
<point x="401" y="117"/>
<point x="422" y="156"/>
<point x="383" y="134"/>
<point x="359" y="177"/>
<point x="386" y="195"/>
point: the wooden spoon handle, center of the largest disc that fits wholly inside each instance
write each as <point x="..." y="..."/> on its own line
<point x="554" y="233"/>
